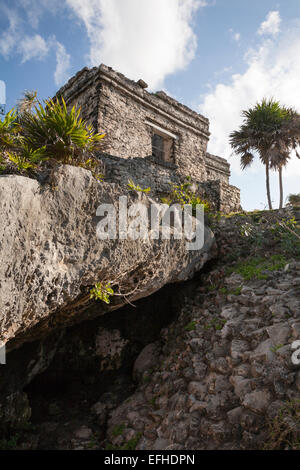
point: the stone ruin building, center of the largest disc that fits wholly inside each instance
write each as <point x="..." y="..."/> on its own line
<point x="150" y="137"/>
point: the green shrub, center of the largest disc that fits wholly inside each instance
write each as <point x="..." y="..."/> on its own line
<point x="26" y="158"/>
<point x="182" y="194"/>
<point x="294" y="199"/>
<point x="9" y="128"/>
<point x="48" y="132"/>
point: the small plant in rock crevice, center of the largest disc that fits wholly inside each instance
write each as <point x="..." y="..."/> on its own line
<point x="257" y="267"/>
<point x="190" y="326"/>
<point x="102" y="292"/>
<point x="136" y="187"/>
<point x="284" y="429"/>
<point x="182" y="194"/>
<point x="216" y="323"/>
<point x="129" y="445"/>
<point x="118" y="430"/>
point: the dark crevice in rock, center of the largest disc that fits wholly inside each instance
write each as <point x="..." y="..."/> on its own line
<point x="90" y="362"/>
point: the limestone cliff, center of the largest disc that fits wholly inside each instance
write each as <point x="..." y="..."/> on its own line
<point x="51" y="256"/>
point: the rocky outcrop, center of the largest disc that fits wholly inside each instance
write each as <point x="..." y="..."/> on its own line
<point x="51" y="256"/>
<point x="226" y="376"/>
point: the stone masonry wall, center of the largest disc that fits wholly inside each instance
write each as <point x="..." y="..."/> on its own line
<point x="223" y="197"/>
<point x="217" y="168"/>
<point x="82" y="90"/>
<point x="142" y="171"/>
<point x="123" y="112"/>
<point x="119" y="107"/>
<point x="147" y="173"/>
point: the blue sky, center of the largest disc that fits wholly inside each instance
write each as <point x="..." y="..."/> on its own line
<point x="216" y="56"/>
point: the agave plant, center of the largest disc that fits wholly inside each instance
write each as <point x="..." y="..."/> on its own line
<point x="64" y="134"/>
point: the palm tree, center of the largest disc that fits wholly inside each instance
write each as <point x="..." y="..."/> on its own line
<point x="285" y="140"/>
<point x="259" y="134"/>
<point x="27" y="103"/>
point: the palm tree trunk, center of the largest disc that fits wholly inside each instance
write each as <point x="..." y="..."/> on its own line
<point x="280" y="187"/>
<point x="268" y="184"/>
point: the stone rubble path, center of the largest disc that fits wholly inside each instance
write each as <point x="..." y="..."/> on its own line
<point x="224" y="370"/>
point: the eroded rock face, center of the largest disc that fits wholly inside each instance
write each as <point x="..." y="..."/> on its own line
<point x="51" y="257"/>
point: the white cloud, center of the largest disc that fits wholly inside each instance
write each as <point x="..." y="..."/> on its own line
<point x="14" y="42"/>
<point x="271" y="25"/>
<point x="273" y="70"/>
<point x="36" y="8"/>
<point x="141" y="38"/>
<point x="8" y="38"/>
<point x="33" y="47"/>
<point x="235" y="36"/>
<point x="63" y="63"/>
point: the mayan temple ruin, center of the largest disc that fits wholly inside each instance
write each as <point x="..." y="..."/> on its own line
<point x="150" y="137"/>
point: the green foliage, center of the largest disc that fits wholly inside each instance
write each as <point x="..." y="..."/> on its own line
<point x="190" y="326"/>
<point x="101" y="292"/>
<point x="133" y="442"/>
<point x="118" y="430"/>
<point x="284" y="429"/>
<point x="8" y="130"/>
<point x="65" y="135"/>
<point x="27" y="158"/>
<point x="147" y="378"/>
<point x="276" y="348"/>
<point x="136" y="187"/>
<point x="262" y="229"/>
<point x="225" y="291"/>
<point x="270" y="130"/>
<point x="9" y="444"/>
<point x="20" y="162"/>
<point x="294" y="199"/>
<point x="152" y="402"/>
<point x="258" y="132"/>
<point x="236" y="291"/>
<point x="27" y="102"/>
<point x="211" y="288"/>
<point x="257" y="267"/>
<point x="285" y="234"/>
<point x="130" y="445"/>
<point x="182" y="194"/>
<point x="216" y="323"/>
<point x="46" y="132"/>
